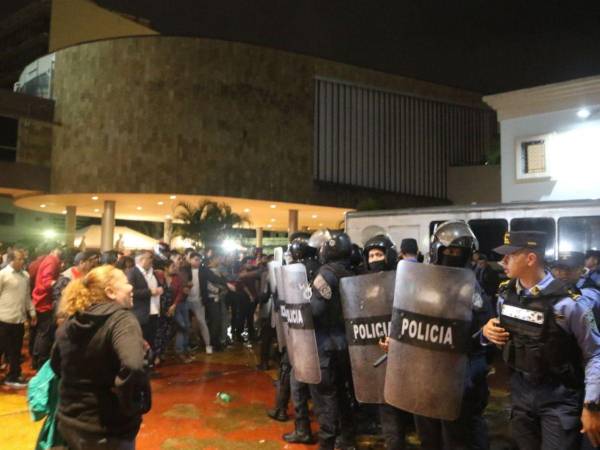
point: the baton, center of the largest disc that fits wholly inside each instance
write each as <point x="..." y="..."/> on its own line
<point x="380" y="360"/>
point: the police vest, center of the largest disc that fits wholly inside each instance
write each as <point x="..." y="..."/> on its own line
<point x="538" y="346"/>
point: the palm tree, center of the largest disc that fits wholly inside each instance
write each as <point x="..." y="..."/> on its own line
<point x="207" y="223"/>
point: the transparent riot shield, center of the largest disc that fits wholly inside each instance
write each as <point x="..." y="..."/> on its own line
<point x="300" y="324"/>
<point x="367" y="305"/>
<point x="276" y="320"/>
<point x="429" y="339"/>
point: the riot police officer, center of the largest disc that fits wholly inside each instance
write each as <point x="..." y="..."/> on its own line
<point x="569" y="268"/>
<point x="381" y="255"/>
<point x="548" y="335"/>
<point x="301" y="253"/>
<point x="331" y="396"/>
<point x="452" y="245"/>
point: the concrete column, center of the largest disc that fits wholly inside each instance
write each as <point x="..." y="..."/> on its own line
<point x="108" y="226"/>
<point x="168" y="231"/>
<point x="70" y="225"/>
<point x="259" y="237"/>
<point x="293" y="221"/>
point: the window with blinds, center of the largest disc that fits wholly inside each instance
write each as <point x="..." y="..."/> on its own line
<point x="394" y="142"/>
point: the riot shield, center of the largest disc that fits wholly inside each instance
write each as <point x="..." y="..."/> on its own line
<point x="282" y="312"/>
<point x="276" y="312"/>
<point x="367" y="305"/>
<point x="430" y="334"/>
<point x="301" y="329"/>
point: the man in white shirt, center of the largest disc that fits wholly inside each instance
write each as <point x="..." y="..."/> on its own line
<point x="15" y="308"/>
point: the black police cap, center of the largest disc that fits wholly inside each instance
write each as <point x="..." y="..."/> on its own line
<point x="409" y="245"/>
<point x="571" y="260"/>
<point x="518" y="240"/>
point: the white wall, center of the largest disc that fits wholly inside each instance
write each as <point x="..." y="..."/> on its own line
<point x="573" y="157"/>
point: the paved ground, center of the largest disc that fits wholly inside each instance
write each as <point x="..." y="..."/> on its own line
<point x="186" y="414"/>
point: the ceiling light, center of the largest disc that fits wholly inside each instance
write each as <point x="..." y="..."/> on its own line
<point x="96" y="210"/>
<point x="49" y="234"/>
<point x="320" y="224"/>
<point x="269" y="226"/>
<point x="172" y="197"/>
<point x="139" y="208"/>
<point x="168" y="216"/>
<point x="272" y="220"/>
<point x="273" y="206"/>
<point x="94" y="197"/>
<point x="583" y="113"/>
<point x="64" y="211"/>
<point x="160" y="203"/>
<point x="247" y="210"/>
<point x="43" y="205"/>
<point x="314" y="216"/>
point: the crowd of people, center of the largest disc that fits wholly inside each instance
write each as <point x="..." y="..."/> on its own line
<point x="105" y="323"/>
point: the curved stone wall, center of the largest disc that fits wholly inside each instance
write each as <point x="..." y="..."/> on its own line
<point x="198" y="116"/>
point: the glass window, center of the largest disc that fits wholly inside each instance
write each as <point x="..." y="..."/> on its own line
<point x="545" y="224"/>
<point x="578" y="234"/>
<point x="490" y="234"/>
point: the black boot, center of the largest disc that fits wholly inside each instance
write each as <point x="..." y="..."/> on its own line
<point x="301" y="434"/>
<point x="278" y="414"/>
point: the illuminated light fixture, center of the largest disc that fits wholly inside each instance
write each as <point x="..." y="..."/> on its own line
<point x="160" y="203"/>
<point x="94" y="197"/>
<point x="43" y="205"/>
<point x="139" y="208"/>
<point x="269" y="226"/>
<point x="320" y="224"/>
<point x="229" y="245"/>
<point x="273" y="220"/>
<point x="273" y="206"/>
<point x="583" y="113"/>
<point x="247" y="210"/>
<point x="49" y="234"/>
<point x="96" y="210"/>
<point x="172" y="197"/>
<point x="168" y="216"/>
<point x="314" y="216"/>
<point x="64" y="211"/>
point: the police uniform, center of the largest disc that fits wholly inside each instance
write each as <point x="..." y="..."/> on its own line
<point x="332" y="397"/>
<point x="553" y="336"/>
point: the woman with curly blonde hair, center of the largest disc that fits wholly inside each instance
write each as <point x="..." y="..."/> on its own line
<point x="99" y="357"/>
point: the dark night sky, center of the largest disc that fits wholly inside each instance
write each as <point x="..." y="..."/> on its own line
<point x="486" y="46"/>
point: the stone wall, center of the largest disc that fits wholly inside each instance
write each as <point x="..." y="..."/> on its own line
<point x="34" y="143"/>
<point x="200" y="116"/>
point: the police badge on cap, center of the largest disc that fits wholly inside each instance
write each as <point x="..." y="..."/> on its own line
<point x="519" y="240"/>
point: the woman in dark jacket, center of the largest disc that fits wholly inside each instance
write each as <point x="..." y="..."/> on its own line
<point x="99" y="357"/>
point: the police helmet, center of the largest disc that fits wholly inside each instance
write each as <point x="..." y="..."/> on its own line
<point x="338" y="246"/>
<point x="300" y="250"/>
<point x="385" y="244"/>
<point x="456" y="234"/>
<point x="356" y="256"/>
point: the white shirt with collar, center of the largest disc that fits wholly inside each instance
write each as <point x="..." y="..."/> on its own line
<point x="152" y="284"/>
<point x="15" y="300"/>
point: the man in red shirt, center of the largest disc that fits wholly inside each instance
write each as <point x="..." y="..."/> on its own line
<point x="41" y="297"/>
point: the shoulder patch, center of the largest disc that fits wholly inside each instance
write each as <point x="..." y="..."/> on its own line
<point x="573" y="295"/>
<point x="321" y="285"/>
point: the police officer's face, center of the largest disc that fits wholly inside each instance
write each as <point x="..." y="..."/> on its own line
<point x="566" y="274"/>
<point x="376" y="255"/>
<point x="519" y="263"/>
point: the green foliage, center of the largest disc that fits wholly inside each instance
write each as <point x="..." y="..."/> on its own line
<point x="208" y="223"/>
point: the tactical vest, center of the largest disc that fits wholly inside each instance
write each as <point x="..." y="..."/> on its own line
<point x="538" y="346"/>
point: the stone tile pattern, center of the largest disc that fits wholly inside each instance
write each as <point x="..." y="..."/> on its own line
<point x="200" y="116"/>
